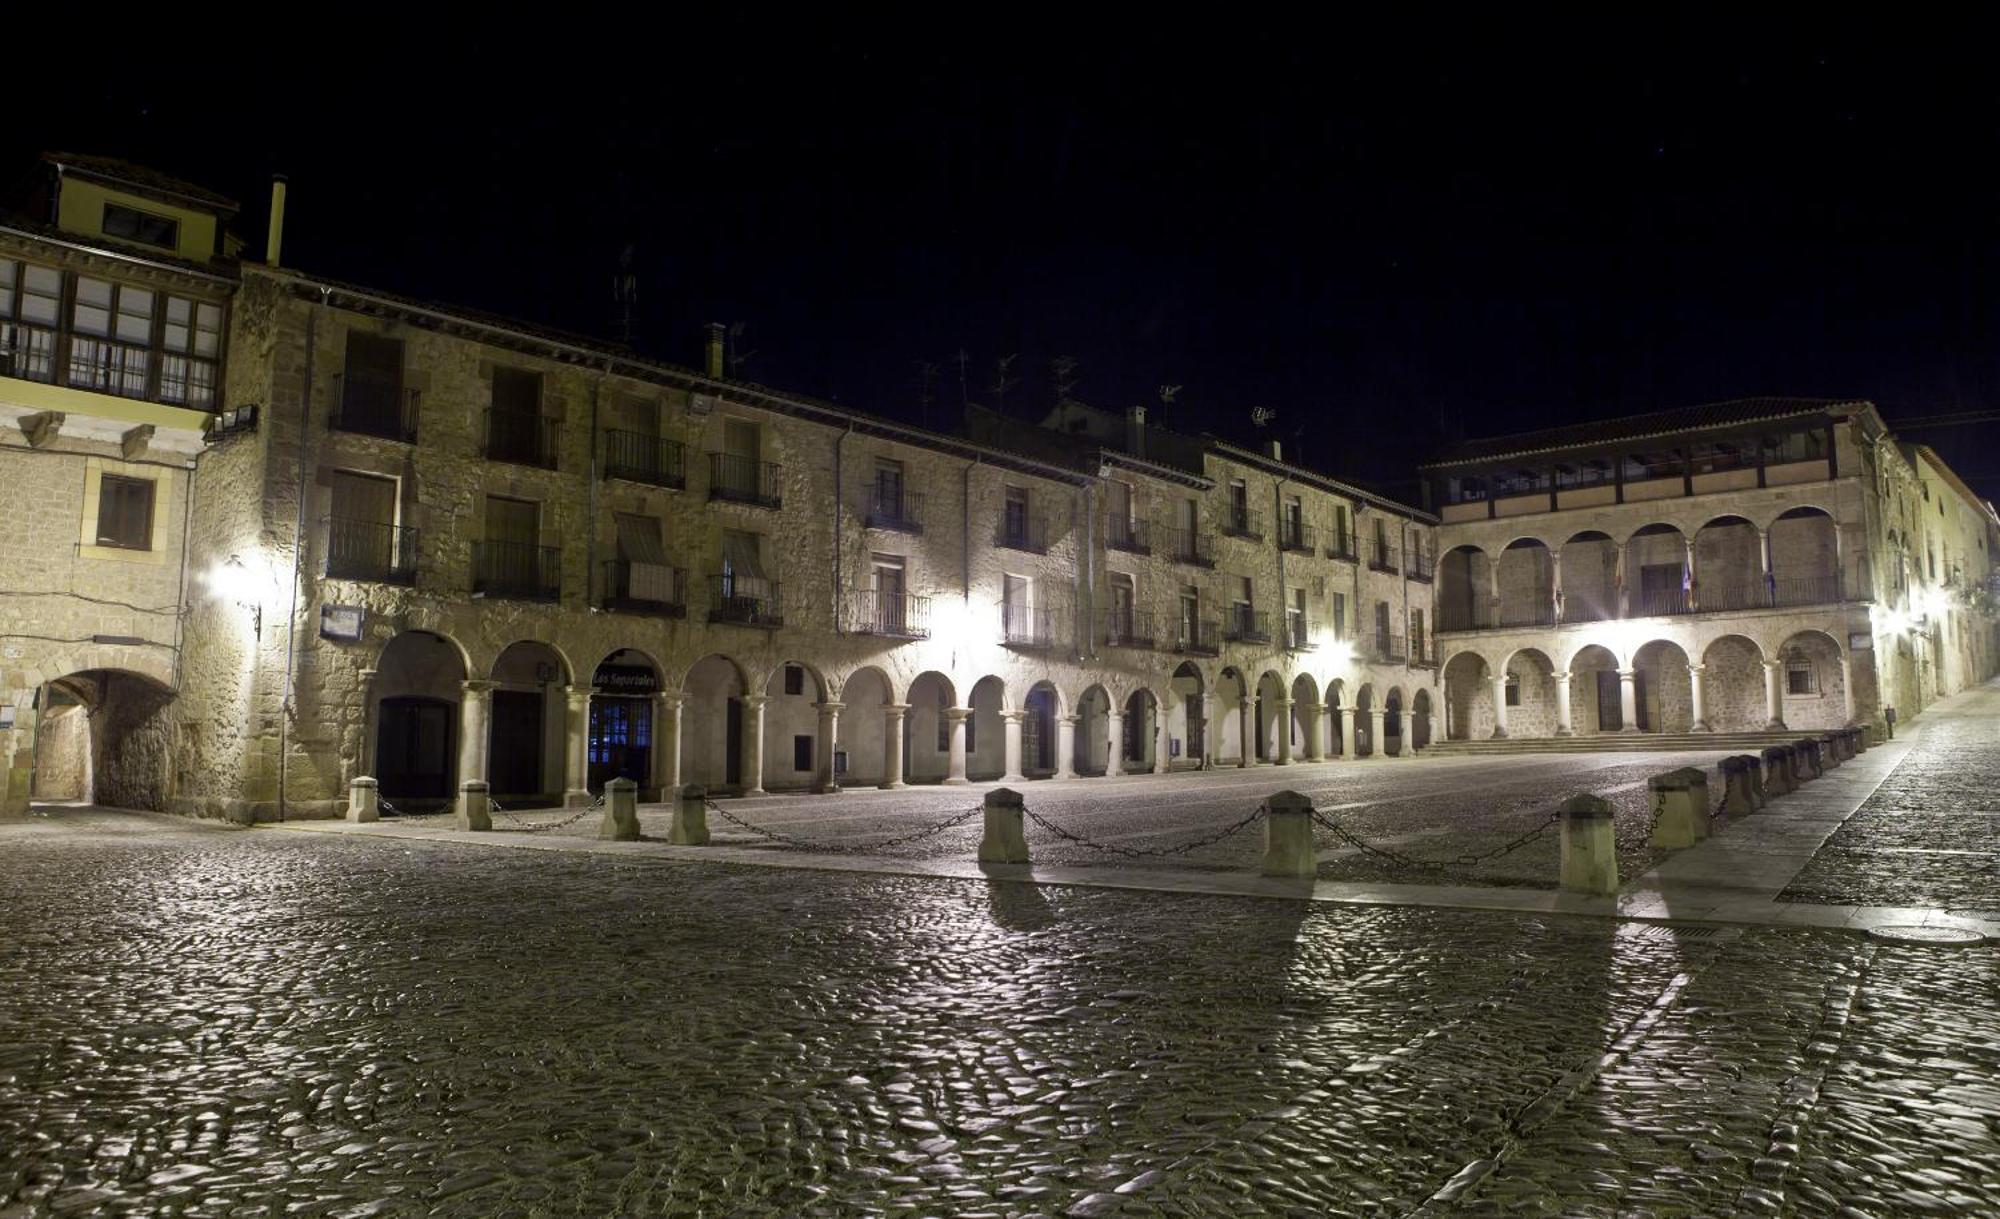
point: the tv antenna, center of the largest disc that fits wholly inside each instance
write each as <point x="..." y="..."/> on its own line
<point x="1262" y="415"/>
<point x="625" y="292"/>
<point x="737" y="356"/>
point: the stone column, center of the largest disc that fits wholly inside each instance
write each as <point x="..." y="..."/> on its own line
<point x="1066" y="746"/>
<point x="1247" y="729"/>
<point x="1160" y="746"/>
<point x="1347" y="745"/>
<point x="1377" y="739"/>
<point x="1493" y="589"/>
<point x="1207" y="730"/>
<point x="753" y="743"/>
<point x="371" y="711"/>
<point x="1764" y="562"/>
<point x="1315" y="745"/>
<point x="892" y="744"/>
<point x="1698" y="698"/>
<point x="1693" y="574"/>
<point x="1500" y="707"/>
<point x="1114" y="754"/>
<point x="1847" y="686"/>
<point x="667" y="744"/>
<point x="1774" y="696"/>
<point x="954" y="767"/>
<point x="824" y="778"/>
<point x="1628" y="700"/>
<point x="1556" y="584"/>
<point x="1011" y="723"/>
<point x="576" y="751"/>
<point x="1283" y="718"/>
<point x="1563" y="725"/>
<point x="1624" y="588"/>
<point x="475" y="715"/>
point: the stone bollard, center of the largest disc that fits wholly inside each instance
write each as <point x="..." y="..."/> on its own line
<point x="1805" y="761"/>
<point x="1288" y="836"/>
<point x="1829" y="751"/>
<point x="621" y="811"/>
<point x="690" y="824"/>
<point x="1004" y="840"/>
<point x="1858" y="738"/>
<point x="1680" y="807"/>
<point x="363" y="800"/>
<point x="474" y="805"/>
<point x="1778" y="771"/>
<point x="1589" y="845"/>
<point x="1753" y="766"/>
<point x="1737" y="798"/>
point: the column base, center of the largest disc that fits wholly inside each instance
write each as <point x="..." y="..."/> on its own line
<point x="1775" y="726"/>
<point x="1700" y="726"/>
<point x="1629" y="729"/>
<point x="826" y="789"/>
<point x="1499" y="734"/>
<point x="960" y="781"/>
<point x="751" y="791"/>
<point x="1064" y="774"/>
<point x="896" y="785"/>
<point x="1017" y="778"/>
<point x="576" y="797"/>
<point x="1565" y="732"/>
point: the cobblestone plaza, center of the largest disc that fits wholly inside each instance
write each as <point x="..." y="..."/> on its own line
<point x="212" y="1021"/>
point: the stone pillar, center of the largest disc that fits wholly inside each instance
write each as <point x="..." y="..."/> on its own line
<point x="576" y="754"/>
<point x="1693" y="575"/>
<point x="475" y="800"/>
<point x="753" y="743"/>
<point x="475" y="713"/>
<point x="1348" y="748"/>
<point x="1589" y="846"/>
<point x="1680" y="807"/>
<point x="690" y="824"/>
<point x="621" y="811"/>
<point x="1624" y="586"/>
<point x="1004" y="840"/>
<point x="1377" y="741"/>
<point x="1493" y="589"/>
<point x="1315" y="744"/>
<point x="824" y="778"/>
<point x="1288" y="837"/>
<point x="1556" y="584"/>
<point x="1283" y="719"/>
<point x="1011" y="723"/>
<point x="1161" y="749"/>
<point x="667" y="744"/>
<point x="1847" y="686"/>
<point x="892" y="744"/>
<point x="1114" y="755"/>
<point x="1698" y="698"/>
<point x="363" y="800"/>
<point x="1774" y="696"/>
<point x="954" y="767"/>
<point x="1564" y="727"/>
<point x="1066" y="746"/>
<point x="371" y="719"/>
<point x="1208" y="732"/>
<point x="1500" y="707"/>
<point x="1628" y="700"/>
<point x="1247" y="729"/>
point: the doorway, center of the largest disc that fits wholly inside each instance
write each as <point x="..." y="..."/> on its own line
<point x="413" y="748"/>
<point x="516" y="760"/>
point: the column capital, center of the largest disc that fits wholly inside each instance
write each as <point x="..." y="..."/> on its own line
<point x="1563" y="676"/>
<point x="670" y="698"/>
<point x="957" y="715"/>
<point x="1627" y="674"/>
<point x="830" y="707"/>
<point x="756" y="701"/>
<point x="478" y="685"/>
<point x="896" y="711"/>
<point x="1013" y="717"/>
<point x="368" y="674"/>
<point x="1773" y="666"/>
<point x="1697" y="670"/>
<point x="575" y="691"/>
<point x="1283" y="703"/>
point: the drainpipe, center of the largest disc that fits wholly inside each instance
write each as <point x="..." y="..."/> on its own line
<point x="838" y="441"/>
<point x="187" y="536"/>
<point x="1088" y="573"/>
<point x="1284" y="592"/>
<point x="590" y="497"/>
<point x="965" y="539"/>
<point x="298" y="541"/>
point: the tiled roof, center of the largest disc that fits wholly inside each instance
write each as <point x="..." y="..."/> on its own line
<point x="1732" y="413"/>
<point x="138" y="176"/>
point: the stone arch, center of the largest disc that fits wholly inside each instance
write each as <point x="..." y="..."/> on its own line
<point x="1232" y="693"/>
<point x="795" y="691"/>
<point x="1533" y="705"/>
<point x="1526" y="570"/>
<point x="1336" y="734"/>
<point x="1733" y="684"/>
<point x="1807" y="565"/>
<point x="415" y="704"/>
<point x="1392" y="722"/>
<point x="1813" y="681"/>
<point x="621" y="738"/>
<point x="1729" y="564"/>
<point x="1042" y="709"/>
<point x="1461" y="593"/>
<point x="1589" y="561"/>
<point x="1420" y="720"/>
<point x="714" y="719"/>
<point x="985" y="729"/>
<point x="927" y="729"/>
<point x="1092" y="753"/>
<point x="1307" y="727"/>
<point x="103" y="736"/>
<point x="511" y="661"/>
<point x="1663" y="689"/>
<point x="1142" y="733"/>
<point x="1655" y="570"/>
<point x="1187" y="732"/>
<point x="527" y="723"/>
<point x="1468" y="696"/>
<point x="863" y="735"/>
<point x="1594" y="694"/>
<point x="1365" y="705"/>
<point x="1265" y="718"/>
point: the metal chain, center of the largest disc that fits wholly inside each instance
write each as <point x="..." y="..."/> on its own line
<point x="1455" y="864"/>
<point x="840" y="848"/>
<point x="1112" y="848"/>
<point x="526" y="827"/>
<point x="399" y="814"/>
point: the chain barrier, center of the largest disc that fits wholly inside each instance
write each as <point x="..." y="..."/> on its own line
<point x="1113" y="848"/>
<point x="531" y="827"/>
<point x="1457" y="863"/>
<point x="386" y="807"/>
<point x="841" y="848"/>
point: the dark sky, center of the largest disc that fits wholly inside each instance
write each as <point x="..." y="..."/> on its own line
<point x="1389" y="236"/>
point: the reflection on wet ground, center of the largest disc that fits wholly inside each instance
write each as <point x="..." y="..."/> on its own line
<point x="208" y="1022"/>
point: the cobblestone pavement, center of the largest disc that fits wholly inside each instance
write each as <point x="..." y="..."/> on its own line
<point x="1432" y="809"/>
<point x="203" y="1021"/>
<point x="1930" y="835"/>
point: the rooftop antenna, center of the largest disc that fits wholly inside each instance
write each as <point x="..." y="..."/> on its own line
<point x="737" y="356"/>
<point x="1004" y="380"/>
<point x="1062" y="371"/>
<point x="1167" y="395"/>
<point x="927" y="376"/>
<point x="1261" y="416"/>
<point x="964" y="395"/>
<point x="625" y="293"/>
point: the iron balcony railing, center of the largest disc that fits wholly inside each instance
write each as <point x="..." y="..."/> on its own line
<point x="745" y="601"/>
<point x="744" y="480"/>
<point x="1128" y="629"/>
<point x="1587" y="609"/>
<point x="1458" y="616"/>
<point x="639" y="458"/>
<point x="1298" y="632"/>
<point x="1341" y="546"/>
<point x="645" y="588"/>
<point x="1124" y="533"/>
<point x="1022" y="531"/>
<point x="871" y="611"/>
<point x="1382" y="557"/>
<point x="1421" y="567"/>
<point x="371" y="551"/>
<point x="1805" y="590"/>
<point x="1243" y="523"/>
<point x="1192" y="547"/>
<point x="1660" y="602"/>
<point x="1423" y="653"/>
<point x="27" y="352"/>
<point x="521" y="438"/>
<point x="372" y="408"/>
<point x="1295" y="536"/>
<point x="1023" y="626"/>
<point x="520" y="571"/>
<point x="1542" y="614"/>
<point x="1391" y="649"/>
<point x="1717" y="595"/>
<point x="895" y="508"/>
<point x="1197" y="637"/>
<point x="1245" y="625"/>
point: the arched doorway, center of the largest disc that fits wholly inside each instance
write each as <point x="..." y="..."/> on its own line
<point x="419" y="685"/>
<point x="1392" y="722"/>
<point x="794" y="695"/>
<point x="1813" y="681"/>
<point x="1657" y="579"/>
<point x="102" y="737"/>
<point x="1365" y="744"/>
<point x="712" y="722"/>
<point x="1308" y="736"/>
<point x="1337" y="743"/>
<point x="1187" y="738"/>
<point x="1533" y="709"/>
<point x="1733" y="684"/>
<point x="1420" y="720"/>
<point x="1268" y="717"/>
<point x="621" y="744"/>
<point x="528" y="725"/>
<point x="985" y="734"/>
<point x="864" y="728"/>
<point x="1038" y="731"/>
<point x="1093" y="744"/>
<point x="1141" y="733"/>
<point x="1234" y="745"/>
<point x="1468" y="694"/>
<point x="1595" y="698"/>
<point x="927" y="734"/>
<point x="1664" y="691"/>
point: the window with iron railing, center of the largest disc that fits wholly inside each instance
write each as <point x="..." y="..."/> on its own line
<point x="1026" y="626"/>
<point x="1295" y="535"/>
<point x="875" y="611"/>
<point x="1125" y="627"/>
<point x="1246" y="625"/>
<point x="893" y="506"/>
<point x="636" y="587"/>
<point x="1242" y="522"/>
<point x="520" y="571"/>
<point x="1022" y="530"/>
<point x="738" y="479"/>
<point x="1192" y="547"/>
<point x="371" y="551"/>
<point x="1124" y="533"/>
<point x="115" y="338"/>
<point x="642" y="458"/>
<point x="743" y="600"/>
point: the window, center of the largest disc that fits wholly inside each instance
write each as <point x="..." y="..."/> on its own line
<point x="1513" y="689"/>
<point x="145" y="228"/>
<point x="795" y="683"/>
<point x="943" y="723"/>
<point x="1017" y="512"/>
<point x="1340" y="615"/>
<point x="191" y="341"/>
<point x="125" y="512"/>
<point x="1799" y="676"/>
<point x="517" y="392"/>
<point x="802" y="752"/>
<point x="371" y="386"/>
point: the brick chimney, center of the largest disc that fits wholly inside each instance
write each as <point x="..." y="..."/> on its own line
<point x="1135" y="430"/>
<point x="715" y="332"/>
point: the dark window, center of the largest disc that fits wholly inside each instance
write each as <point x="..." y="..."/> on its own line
<point x="143" y="227"/>
<point x="795" y="679"/>
<point x="802" y="753"/>
<point x="944" y="725"/>
<point x="1799" y="677"/>
<point x="125" y="512"/>
<point x="1513" y="690"/>
<point x="516" y="392"/>
<point x="971" y="740"/>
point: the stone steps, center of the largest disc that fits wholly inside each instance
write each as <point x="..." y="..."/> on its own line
<point x="1620" y="742"/>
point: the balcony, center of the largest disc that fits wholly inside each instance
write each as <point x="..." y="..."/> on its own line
<point x="1197" y="637"/>
<point x="1341" y="546"/>
<point x="27" y="352"/>
<point x="1660" y="602"/>
<point x="1382" y="557"/>
<point x="520" y="438"/>
<point x="744" y="480"/>
<point x="1461" y="617"/>
<point x="891" y="507"/>
<point x="645" y="588"/>
<point x="1423" y="654"/>
<point x="1527" y="615"/>
<point x="1805" y="590"/>
<point x="1586" y="609"/>
<point x="1422" y="567"/>
<point x="745" y="601"/>
<point x="1021" y="531"/>
<point x="1298" y="632"/>
<point x="1027" y="627"/>
<point x="1243" y="523"/>
<point x="371" y="408"/>
<point x="1124" y="533"/>
<point x="639" y="458"/>
<point x="1720" y="596"/>
<point x="1296" y="537"/>
<point x="1391" y="649"/>
<point x="1128" y="629"/>
<point x="893" y="615"/>
<point x="1191" y="547"/>
<point x="517" y="571"/>
<point x="370" y="551"/>
<point x="1245" y="625"/>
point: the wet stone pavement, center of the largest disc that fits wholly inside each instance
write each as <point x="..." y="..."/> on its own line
<point x="201" y="1021"/>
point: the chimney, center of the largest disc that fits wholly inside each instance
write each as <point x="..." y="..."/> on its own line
<point x="274" y="243"/>
<point x="715" y="332"/>
<point x="1276" y="449"/>
<point x="1135" y="430"/>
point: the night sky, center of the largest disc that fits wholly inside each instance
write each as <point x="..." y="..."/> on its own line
<point x="1390" y="237"/>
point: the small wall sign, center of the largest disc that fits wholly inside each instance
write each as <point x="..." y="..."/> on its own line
<point x="341" y="623"/>
<point x="1859" y="641"/>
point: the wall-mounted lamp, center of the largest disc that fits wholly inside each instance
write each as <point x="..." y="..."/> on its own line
<point x="233" y="580"/>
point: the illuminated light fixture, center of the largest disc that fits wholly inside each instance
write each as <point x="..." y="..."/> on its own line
<point x="235" y="419"/>
<point x="1933" y="602"/>
<point x="1895" y="622"/>
<point x="1620" y="638"/>
<point x="951" y="623"/>
<point x="233" y="580"/>
<point x="1340" y="652"/>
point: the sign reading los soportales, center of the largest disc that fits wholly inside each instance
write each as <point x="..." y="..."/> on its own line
<point x="626" y="679"/>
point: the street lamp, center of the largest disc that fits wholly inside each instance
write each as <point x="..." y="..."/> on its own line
<point x="235" y="580"/>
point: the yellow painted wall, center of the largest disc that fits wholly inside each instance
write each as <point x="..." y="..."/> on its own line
<point x="81" y="211"/>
